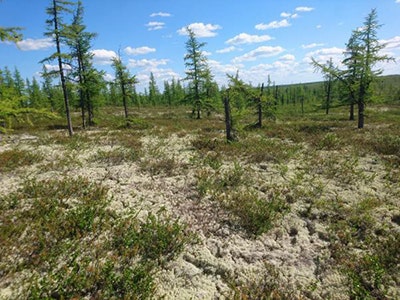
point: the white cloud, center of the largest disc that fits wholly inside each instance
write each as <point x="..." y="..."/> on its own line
<point x="245" y="38"/>
<point x="227" y="50"/>
<point x="312" y="45"/>
<point x="328" y="51"/>
<point x="220" y="70"/>
<point x="273" y="25"/>
<point x="35" y="44"/>
<point x="288" y="57"/>
<point x="279" y="71"/>
<point x="201" y="29"/>
<point x="319" y="26"/>
<point x="289" y="15"/>
<point x="304" y="9"/>
<point x="263" y="51"/>
<point x="160" y="14"/>
<point x="393" y="43"/>
<point x="146" y="63"/>
<point x="155" y="25"/>
<point x="206" y="53"/>
<point x="103" y="56"/>
<point x="397" y="1"/>
<point x="325" y="54"/>
<point x="50" y="68"/>
<point x="139" y="51"/>
<point x="108" y="77"/>
<point x="159" y="74"/>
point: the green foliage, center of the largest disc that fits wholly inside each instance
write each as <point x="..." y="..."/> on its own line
<point x="57" y="31"/>
<point x="255" y="214"/>
<point x="13" y="159"/>
<point x="268" y="286"/>
<point x="125" y="82"/>
<point x="199" y="76"/>
<point x="329" y="141"/>
<point x="57" y="228"/>
<point x="90" y="81"/>
<point x="387" y="144"/>
<point x="361" y="56"/>
<point x="14" y="106"/>
<point x="115" y="156"/>
<point x="11" y="34"/>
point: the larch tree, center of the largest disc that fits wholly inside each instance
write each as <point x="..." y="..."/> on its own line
<point x="56" y="30"/>
<point x="328" y="86"/>
<point x="35" y="95"/>
<point x="167" y="94"/>
<point x="362" y="54"/>
<point x="197" y="73"/>
<point x="125" y="81"/>
<point x="350" y="76"/>
<point x="154" y="93"/>
<point x="233" y="97"/>
<point x="49" y="90"/>
<point x="79" y="41"/>
<point x="371" y="48"/>
<point x="11" y="34"/>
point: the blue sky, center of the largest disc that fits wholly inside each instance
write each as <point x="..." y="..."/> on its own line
<point x="256" y="37"/>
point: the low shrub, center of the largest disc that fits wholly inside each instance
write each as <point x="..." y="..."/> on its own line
<point x="15" y="158"/>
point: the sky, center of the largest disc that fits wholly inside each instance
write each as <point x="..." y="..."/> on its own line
<point x="257" y="38"/>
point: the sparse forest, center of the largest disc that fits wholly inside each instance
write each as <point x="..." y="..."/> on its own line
<point x="193" y="190"/>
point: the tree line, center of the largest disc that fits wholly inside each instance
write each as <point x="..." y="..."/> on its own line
<point x="75" y="84"/>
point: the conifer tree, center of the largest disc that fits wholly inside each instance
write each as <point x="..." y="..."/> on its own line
<point x="56" y="30"/>
<point x="154" y="93"/>
<point x="125" y="81"/>
<point x="79" y="41"/>
<point x="328" y="86"/>
<point x="362" y="55"/>
<point x="35" y="95"/>
<point x="13" y="105"/>
<point x="12" y="34"/>
<point x="197" y="73"/>
<point x="167" y="94"/>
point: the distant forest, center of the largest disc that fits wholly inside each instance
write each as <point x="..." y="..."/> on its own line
<point x="77" y="86"/>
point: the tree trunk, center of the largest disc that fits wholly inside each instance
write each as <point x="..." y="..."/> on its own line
<point x="82" y="101"/>
<point x="90" y="114"/>
<point x="228" y="120"/>
<point x="351" y="118"/>
<point x="259" y="108"/>
<point x="328" y="96"/>
<point x="89" y="107"/>
<point x="61" y="71"/>
<point x="83" y="117"/>
<point x="124" y="101"/>
<point x="361" y="107"/>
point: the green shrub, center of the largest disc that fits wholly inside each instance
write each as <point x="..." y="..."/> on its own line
<point x="255" y="214"/>
<point x="115" y="156"/>
<point x="330" y="141"/>
<point x="57" y="230"/>
<point x="387" y="144"/>
<point x="12" y="159"/>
